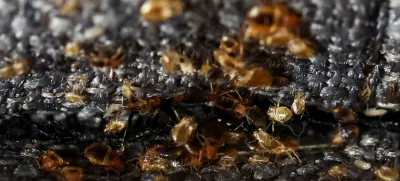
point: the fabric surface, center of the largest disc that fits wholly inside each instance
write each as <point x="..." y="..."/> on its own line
<point x="356" y="65"/>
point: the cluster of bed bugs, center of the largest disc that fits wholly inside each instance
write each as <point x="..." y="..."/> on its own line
<point x="282" y="114"/>
<point x="53" y="162"/>
<point x="173" y="61"/>
<point x="272" y="25"/>
<point x="101" y="57"/>
<point x="199" y="141"/>
<point x="199" y="148"/>
<point x="277" y="25"/>
<point x="230" y="57"/>
<point x="97" y="154"/>
<point x="189" y="135"/>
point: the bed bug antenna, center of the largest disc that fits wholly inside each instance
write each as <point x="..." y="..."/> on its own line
<point x="176" y="114"/>
<point x="291" y="129"/>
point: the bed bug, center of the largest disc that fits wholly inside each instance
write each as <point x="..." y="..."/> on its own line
<point x="227" y="103"/>
<point x="112" y="114"/>
<point x="144" y="106"/>
<point x="211" y="72"/>
<point x="300" y="48"/>
<point x="230" y="56"/>
<point x="344" y="114"/>
<point x="69" y="173"/>
<point x="151" y="160"/>
<point x="127" y="91"/>
<point x="256" y="77"/>
<point x="77" y="96"/>
<point x="338" y="172"/>
<point x="16" y="68"/>
<point x="103" y="61"/>
<point x="235" y="104"/>
<point x="282" y="37"/>
<point x="72" y="49"/>
<point x="256" y="116"/>
<point x="158" y="164"/>
<point x="385" y="173"/>
<point x="267" y="19"/>
<point x="103" y="155"/>
<point x="68" y="7"/>
<point x="258" y="159"/>
<point x="168" y="61"/>
<point x="279" y="114"/>
<point x="182" y="132"/>
<point x="160" y="10"/>
<point x="76" y="92"/>
<point x="299" y="104"/>
<point x="270" y="144"/>
<point x="52" y="161"/>
<point x="231" y="45"/>
<point x="114" y="126"/>
<point x="228" y="160"/>
<point x="232" y="66"/>
<point x="345" y="135"/>
<point x="210" y="148"/>
<point x="173" y="61"/>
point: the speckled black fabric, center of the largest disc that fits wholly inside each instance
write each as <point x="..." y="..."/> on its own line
<point x="356" y="47"/>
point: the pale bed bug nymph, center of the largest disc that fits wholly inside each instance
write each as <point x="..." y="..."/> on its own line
<point x="375" y="112"/>
<point x="182" y="131"/>
<point x="279" y="114"/>
<point x="299" y="103"/>
<point x="276" y="25"/>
